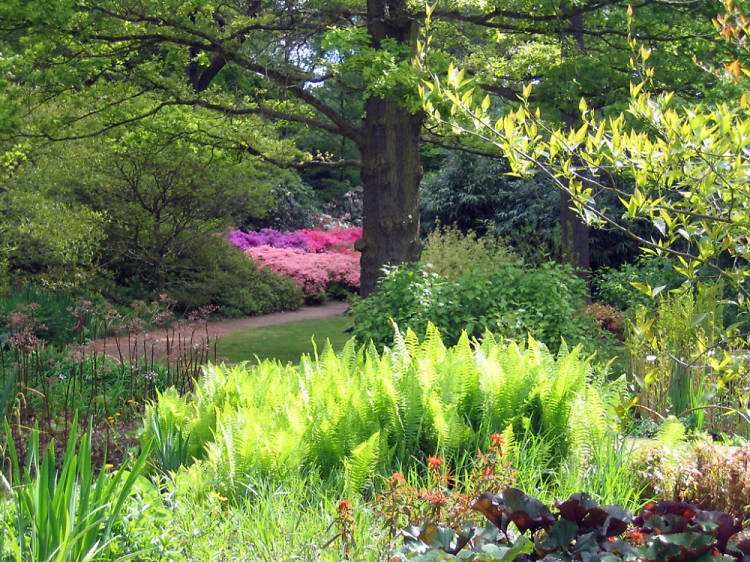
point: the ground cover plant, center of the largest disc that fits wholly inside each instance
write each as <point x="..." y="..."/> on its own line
<point x="318" y="261"/>
<point x="580" y="529"/>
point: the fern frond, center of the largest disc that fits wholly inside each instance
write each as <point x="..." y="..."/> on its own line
<point x="360" y="464"/>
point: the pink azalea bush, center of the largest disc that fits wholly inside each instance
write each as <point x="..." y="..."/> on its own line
<point x="335" y="239"/>
<point x="312" y="258"/>
<point x="312" y="271"/>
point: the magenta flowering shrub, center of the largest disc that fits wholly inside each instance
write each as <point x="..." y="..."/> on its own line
<point x="307" y="239"/>
<point x="266" y="237"/>
<point x="312" y="258"/>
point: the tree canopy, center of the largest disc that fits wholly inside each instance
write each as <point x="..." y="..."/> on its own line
<point x="274" y="71"/>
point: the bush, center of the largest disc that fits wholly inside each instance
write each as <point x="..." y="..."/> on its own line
<point x="613" y="286"/>
<point x="312" y="272"/>
<point x="316" y="260"/>
<point x="451" y="252"/>
<point x="510" y="300"/>
<point x="51" y="242"/>
<point x="362" y="411"/>
<point x="221" y="275"/>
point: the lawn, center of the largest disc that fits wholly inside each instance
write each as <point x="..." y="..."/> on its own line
<point x="286" y="342"/>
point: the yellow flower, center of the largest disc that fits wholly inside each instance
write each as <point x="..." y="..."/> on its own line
<point x="117" y="414"/>
<point x="108" y="466"/>
<point x="218" y="496"/>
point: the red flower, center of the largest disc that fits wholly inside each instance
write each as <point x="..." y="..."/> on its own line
<point x="433" y="463"/>
<point x="497" y="439"/>
<point x="344" y="506"/>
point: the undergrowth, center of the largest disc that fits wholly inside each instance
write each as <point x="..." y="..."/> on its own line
<point x="368" y="412"/>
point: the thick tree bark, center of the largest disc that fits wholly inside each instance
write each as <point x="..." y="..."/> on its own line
<point x="391" y="172"/>
<point x="391" y="167"/>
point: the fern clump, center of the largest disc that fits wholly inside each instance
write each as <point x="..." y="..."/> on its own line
<point x="362" y="412"/>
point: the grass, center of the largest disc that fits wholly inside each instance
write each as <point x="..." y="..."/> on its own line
<point x="285" y="342"/>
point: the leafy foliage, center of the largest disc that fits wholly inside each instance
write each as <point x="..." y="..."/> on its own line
<point x="367" y="410"/>
<point x="579" y="530"/>
<point x="509" y="299"/>
<point x="673" y="360"/>
<point x="46" y="239"/>
<point x="709" y="475"/>
<point x="450" y="252"/>
<point x="615" y="286"/>
<point x="67" y="515"/>
<point x="218" y="274"/>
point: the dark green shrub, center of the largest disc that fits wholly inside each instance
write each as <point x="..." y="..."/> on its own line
<point x="510" y="300"/>
<point x="613" y="286"/>
<point x="475" y="192"/>
<point x="223" y="276"/>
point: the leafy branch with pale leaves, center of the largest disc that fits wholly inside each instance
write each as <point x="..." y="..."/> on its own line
<point x="689" y="166"/>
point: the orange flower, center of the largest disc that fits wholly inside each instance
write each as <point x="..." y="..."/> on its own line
<point x="497" y="439"/>
<point x="397" y="478"/>
<point x="433" y="463"/>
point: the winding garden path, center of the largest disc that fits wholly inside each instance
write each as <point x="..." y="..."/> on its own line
<point x="219" y="328"/>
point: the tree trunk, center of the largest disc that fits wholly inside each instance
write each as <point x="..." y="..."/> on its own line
<point x="391" y="172"/>
<point x="391" y="167"/>
<point x="574" y="234"/>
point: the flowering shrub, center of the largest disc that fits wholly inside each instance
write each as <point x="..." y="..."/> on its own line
<point x="336" y="239"/>
<point x="266" y="237"/>
<point x="447" y="499"/>
<point x="312" y="271"/>
<point x="306" y="239"/>
<point x="314" y="259"/>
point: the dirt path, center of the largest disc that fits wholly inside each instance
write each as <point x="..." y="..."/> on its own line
<point x="216" y="330"/>
<point x="223" y="327"/>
